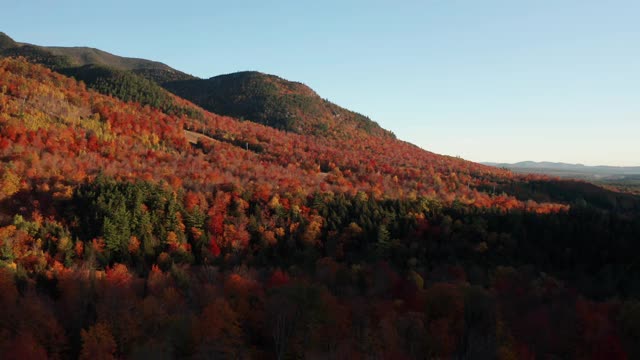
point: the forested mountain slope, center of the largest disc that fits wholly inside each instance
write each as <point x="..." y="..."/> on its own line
<point x="121" y="236"/>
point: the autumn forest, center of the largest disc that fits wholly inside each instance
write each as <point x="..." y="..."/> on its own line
<point x="149" y="214"/>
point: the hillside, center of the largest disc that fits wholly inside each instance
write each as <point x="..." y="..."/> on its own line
<point x="132" y="230"/>
<point x="275" y="102"/>
<point x="363" y="163"/>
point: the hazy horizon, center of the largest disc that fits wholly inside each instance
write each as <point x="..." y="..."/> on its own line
<point x="493" y="81"/>
<point x="556" y="162"/>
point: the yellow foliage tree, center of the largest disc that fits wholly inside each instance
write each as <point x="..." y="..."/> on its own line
<point x="9" y="184"/>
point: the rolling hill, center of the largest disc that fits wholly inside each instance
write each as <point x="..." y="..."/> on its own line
<point x="273" y="101"/>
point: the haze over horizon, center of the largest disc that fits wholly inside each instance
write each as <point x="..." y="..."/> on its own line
<point x="493" y="81"/>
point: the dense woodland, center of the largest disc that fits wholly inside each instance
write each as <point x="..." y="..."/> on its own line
<point x="135" y="224"/>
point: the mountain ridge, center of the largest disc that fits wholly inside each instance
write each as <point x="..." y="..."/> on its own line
<point x="272" y="101"/>
<point x="77" y="56"/>
<point x="252" y="95"/>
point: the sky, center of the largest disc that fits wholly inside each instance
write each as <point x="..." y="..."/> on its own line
<point x="490" y="80"/>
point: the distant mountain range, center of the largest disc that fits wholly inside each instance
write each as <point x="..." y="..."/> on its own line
<point x="569" y="170"/>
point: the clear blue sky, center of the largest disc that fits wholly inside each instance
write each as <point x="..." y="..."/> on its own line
<point x="489" y="80"/>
